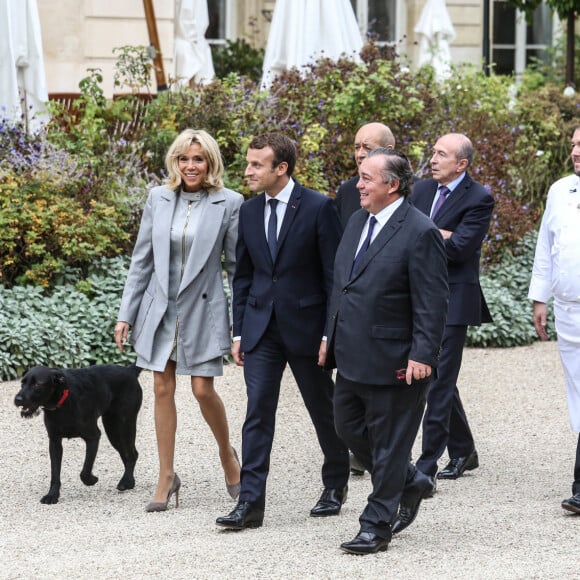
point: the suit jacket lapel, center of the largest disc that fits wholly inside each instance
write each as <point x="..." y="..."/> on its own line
<point x="291" y="211"/>
<point x="425" y="203"/>
<point x="209" y="226"/>
<point x="454" y="199"/>
<point x="350" y="240"/>
<point x="255" y="224"/>
<point x="384" y="236"/>
<point x="161" y="236"/>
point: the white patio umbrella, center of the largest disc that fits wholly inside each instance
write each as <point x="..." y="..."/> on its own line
<point x="303" y="31"/>
<point x="436" y="33"/>
<point x="22" y="59"/>
<point x="9" y="97"/>
<point x="192" y="53"/>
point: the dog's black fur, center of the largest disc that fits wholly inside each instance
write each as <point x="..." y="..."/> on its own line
<point x="112" y="392"/>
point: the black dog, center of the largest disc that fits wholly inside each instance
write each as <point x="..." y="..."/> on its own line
<point x="73" y="400"/>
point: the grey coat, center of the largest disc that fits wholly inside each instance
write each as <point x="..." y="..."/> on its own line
<point x="204" y="321"/>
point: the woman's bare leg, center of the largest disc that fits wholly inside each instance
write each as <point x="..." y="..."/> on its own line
<point x="165" y="427"/>
<point x="214" y="412"/>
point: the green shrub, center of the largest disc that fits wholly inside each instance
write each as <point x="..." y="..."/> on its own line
<point x="323" y="108"/>
<point x="238" y="57"/>
<point x="60" y="209"/>
<point x="71" y="326"/>
<point x="505" y="287"/>
<point x="543" y="147"/>
<point x="48" y="220"/>
<point x="232" y="110"/>
<point x="552" y="68"/>
<point x="133" y="67"/>
<point x="99" y="174"/>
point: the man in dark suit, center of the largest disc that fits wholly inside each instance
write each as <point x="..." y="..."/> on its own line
<point x="287" y="241"/>
<point x="387" y="315"/>
<point x="461" y="208"/>
<point x="368" y="137"/>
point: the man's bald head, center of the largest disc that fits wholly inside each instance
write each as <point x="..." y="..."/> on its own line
<point x="371" y="136"/>
<point x="452" y="155"/>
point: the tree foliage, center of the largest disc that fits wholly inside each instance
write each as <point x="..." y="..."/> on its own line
<point x="566" y="10"/>
<point x="76" y="190"/>
<point x="561" y="7"/>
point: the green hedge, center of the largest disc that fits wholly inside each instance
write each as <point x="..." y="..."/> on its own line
<point x="75" y="192"/>
<point x="505" y="287"/>
<point x="71" y="326"/>
<point x="61" y="209"/>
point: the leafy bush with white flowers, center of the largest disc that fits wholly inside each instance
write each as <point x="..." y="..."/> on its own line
<point x="69" y="326"/>
<point x="505" y="287"/>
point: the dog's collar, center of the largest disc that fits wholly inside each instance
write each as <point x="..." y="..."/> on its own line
<point x="64" y="397"/>
<point x="61" y="401"/>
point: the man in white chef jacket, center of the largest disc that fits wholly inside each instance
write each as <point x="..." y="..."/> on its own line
<point x="556" y="274"/>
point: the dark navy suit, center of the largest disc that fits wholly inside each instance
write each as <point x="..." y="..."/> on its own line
<point x="279" y="310"/>
<point x="467" y="213"/>
<point x="347" y="200"/>
<point x="392" y="310"/>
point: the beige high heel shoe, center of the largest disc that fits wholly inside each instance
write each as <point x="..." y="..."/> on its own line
<point x="234" y="488"/>
<point x="161" y="506"/>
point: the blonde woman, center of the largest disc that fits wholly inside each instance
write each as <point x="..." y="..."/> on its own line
<point x="174" y="300"/>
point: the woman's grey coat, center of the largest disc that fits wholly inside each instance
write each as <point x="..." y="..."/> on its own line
<point x="202" y="306"/>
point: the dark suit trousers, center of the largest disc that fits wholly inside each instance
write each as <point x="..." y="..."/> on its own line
<point x="379" y="424"/>
<point x="263" y="369"/>
<point x="445" y="423"/>
<point x="576" y="486"/>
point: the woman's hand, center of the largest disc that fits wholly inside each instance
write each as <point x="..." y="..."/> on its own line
<point x="121" y="331"/>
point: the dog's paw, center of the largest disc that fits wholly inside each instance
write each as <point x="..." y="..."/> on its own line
<point x="126" y="483"/>
<point x="49" y="499"/>
<point x="89" y="478"/>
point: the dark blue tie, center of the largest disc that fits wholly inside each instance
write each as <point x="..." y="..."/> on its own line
<point x="364" y="247"/>
<point x="444" y="191"/>
<point x="273" y="229"/>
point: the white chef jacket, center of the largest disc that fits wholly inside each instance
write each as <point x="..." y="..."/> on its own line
<point x="556" y="273"/>
<point x="557" y="261"/>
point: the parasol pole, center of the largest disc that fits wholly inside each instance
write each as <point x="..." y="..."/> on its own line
<point x="154" y="40"/>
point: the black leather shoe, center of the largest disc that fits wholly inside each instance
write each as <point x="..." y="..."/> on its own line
<point x="356" y="466"/>
<point x="365" y="543"/>
<point x="429" y="494"/>
<point x="329" y="503"/>
<point x="572" y="504"/>
<point x="422" y="486"/>
<point x="457" y="466"/>
<point x="244" y="515"/>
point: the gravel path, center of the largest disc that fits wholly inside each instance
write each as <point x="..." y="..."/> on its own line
<point x="502" y="520"/>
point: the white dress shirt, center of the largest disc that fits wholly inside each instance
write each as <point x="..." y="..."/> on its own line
<point x="283" y="197"/>
<point x="450" y="186"/>
<point x="382" y="218"/>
